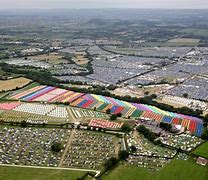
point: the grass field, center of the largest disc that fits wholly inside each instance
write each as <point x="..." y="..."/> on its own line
<point x="29" y="86"/>
<point x="175" y="170"/>
<point x="53" y="58"/>
<point x="202" y="150"/>
<point x="3" y="94"/>
<point x="7" y="74"/>
<point x="17" y="173"/>
<point x="80" y="60"/>
<point x="122" y="49"/>
<point x="196" y="32"/>
<point x="32" y="85"/>
<point x="13" y="83"/>
<point x="183" y="41"/>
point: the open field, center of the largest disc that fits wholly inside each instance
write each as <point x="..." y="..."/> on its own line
<point x="195" y="31"/>
<point x="202" y="150"/>
<point x="80" y="60"/>
<point x="13" y="83"/>
<point x="140" y="91"/>
<point x="8" y="74"/>
<point x="53" y="58"/>
<point x="169" y="103"/>
<point x="184" y="41"/>
<point x="176" y="169"/>
<point x="77" y="86"/>
<point x="29" y="86"/>
<point x="37" y="174"/>
<point x="34" y="84"/>
<point x="121" y="49"/>
<point x="3" y="94"/>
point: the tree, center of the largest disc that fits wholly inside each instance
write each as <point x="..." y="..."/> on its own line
<point x="108" y="111"/>
<point x="133" y="148"/>
<point x="146" y="93"/>
<point x="111" y="163"/>
<point x="23" y="124"/>
<point x="153" y="96"/>
<point x="206" y="118"/>
<point x="44" y="124"/>
<point x="126" y="128"/>
<point x="56" y="147"/>
<point x="1" y="121"/>
<point x="113" y="117"/>
<point x="205" y="135"/>
<point x="119" y="114"/>
<point x="111" y="87"/>
<point x="146" y="132"/>
<point x="185" y="95"/>
<point x="123" y="155"/>
<point x="165" y="126"/>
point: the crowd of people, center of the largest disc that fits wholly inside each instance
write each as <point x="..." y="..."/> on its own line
<point x="184" y="141"/>
<point x="31" y="146"/>
<point x="89" y="150"/>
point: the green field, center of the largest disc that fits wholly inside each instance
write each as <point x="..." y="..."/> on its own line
<point x="183" y="41"/>
<point x="16" y="173"/>
<point x="195" y="32"/>
<point x="202" y="150"/>
<point x="2" y="94"/>
<point x="29" y="86"/>
<point x="32" y="85"/>
<point x="175" y="170"/>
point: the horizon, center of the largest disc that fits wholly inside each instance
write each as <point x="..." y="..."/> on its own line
<point x="107" y="4"/>
<point x="98" y="8"/>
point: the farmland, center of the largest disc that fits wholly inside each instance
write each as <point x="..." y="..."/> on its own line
<point x="184" y="41"/>
<point x="53" y="58"/>
<point x="80" y="60"/>
<point x="11" y="84"/>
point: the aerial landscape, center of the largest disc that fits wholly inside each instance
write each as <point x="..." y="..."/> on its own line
<point x="100" y="91"/>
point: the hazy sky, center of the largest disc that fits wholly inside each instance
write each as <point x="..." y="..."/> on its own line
<point x="172" y="4"/>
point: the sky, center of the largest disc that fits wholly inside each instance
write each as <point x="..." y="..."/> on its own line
<point x="51" y="4"/>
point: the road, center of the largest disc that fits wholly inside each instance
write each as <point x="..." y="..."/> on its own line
<point x="67" y="146"/>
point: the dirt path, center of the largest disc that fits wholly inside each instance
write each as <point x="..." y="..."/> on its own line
<point x="67" y="146"/>
<point x="117" y="147"/>
<point x="71" y="117"/>
<point x="136" y="136"/>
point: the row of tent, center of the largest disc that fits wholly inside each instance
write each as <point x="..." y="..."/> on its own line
<point x="102" y="103"/>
